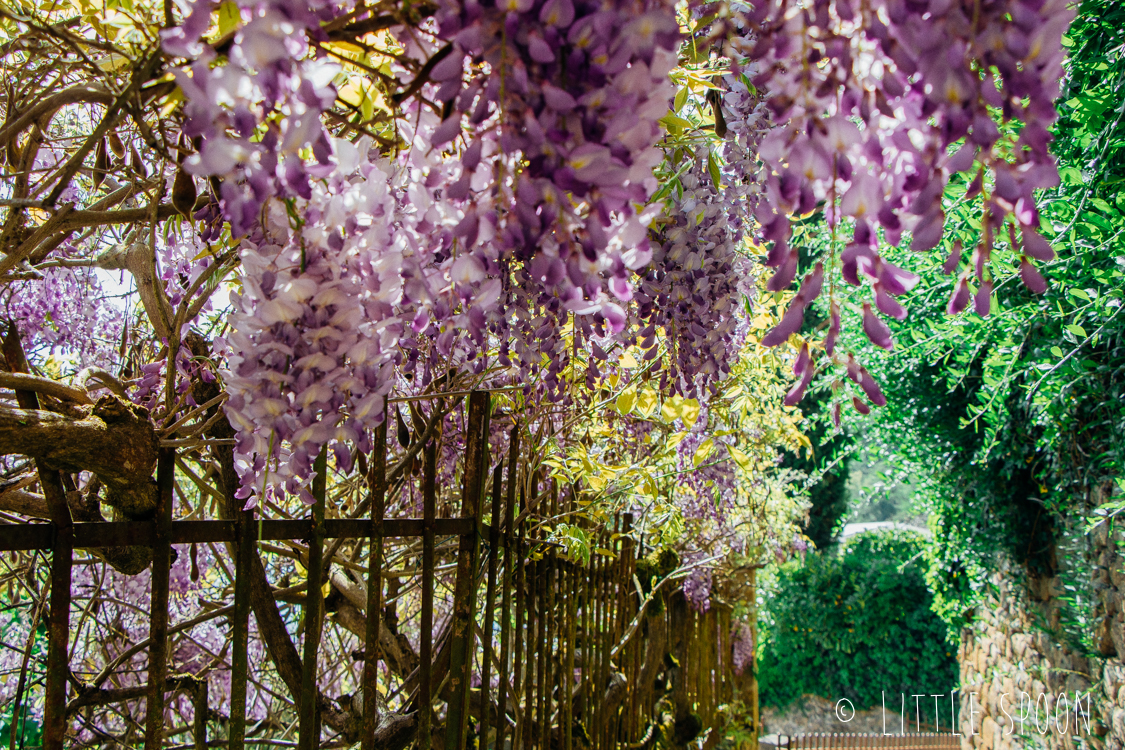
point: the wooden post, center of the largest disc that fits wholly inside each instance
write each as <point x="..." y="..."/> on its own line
<point x="199" y="733"/>
<point x="489" y="602"/>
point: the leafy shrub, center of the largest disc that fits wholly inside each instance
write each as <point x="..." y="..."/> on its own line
<point x="854" y="623"/>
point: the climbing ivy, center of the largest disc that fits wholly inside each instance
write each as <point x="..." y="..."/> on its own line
<point x="1004" y="424"/>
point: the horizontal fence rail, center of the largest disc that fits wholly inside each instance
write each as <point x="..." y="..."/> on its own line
<point x="34" y="536"/>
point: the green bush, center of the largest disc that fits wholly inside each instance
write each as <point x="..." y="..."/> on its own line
<point x="854" y="623"/>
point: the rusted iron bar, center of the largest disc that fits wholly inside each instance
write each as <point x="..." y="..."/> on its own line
<point x="601" y="671"/>
<point x="520" y="671"/>
<point x="551" y="584"/>
<point x="531" y="642"/>
<point x="308" y="735"/>
<point x="377" y="480"/>
<point x="58" y="632"/>
<point x="158" y="612"/>
<point x="590" y="661"/>
<point x="426" y="646"/>
<point x="571" y="629"/>
<point x="199" y="733"/>
<point x="461" y="631"/>
<point x="244" y="551"/>
<point x="506" y="598"/>
<point x="489" y="602"/>
<point x="541" y="614"/>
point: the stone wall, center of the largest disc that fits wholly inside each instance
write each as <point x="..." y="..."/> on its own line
<point x="1014" y="647"/>
<point x="1006" y="655"/>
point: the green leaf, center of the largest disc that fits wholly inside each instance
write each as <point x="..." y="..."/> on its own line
<point x="689" y="412"/>
<point x="1077" y="330"/>
<point x="713" y="168"/>
<point x="1102" y="205"/>
<point x="680" y="100"/>
<point x="1071" y="175"/>
<point x="670" y="410"/>
<point x="647" y="402"/>
<point x="229" y="18"/>
<point x="1056" y="351"/>
<point x="675" y="123"/>
<point x="739" y="457"/>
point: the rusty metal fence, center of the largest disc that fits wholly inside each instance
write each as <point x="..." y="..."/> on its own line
<point x="538" y="651"/>
<point x="873" y="741"/>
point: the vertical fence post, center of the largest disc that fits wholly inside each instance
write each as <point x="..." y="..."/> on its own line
<point x="489" y="602"/>
<point x="426" y="644"/>
<point x="461" y="629"/>
<point x="244" y="550"/>
<point x="521" y="666"/>
<point x="551" y="583"/>
<point x="58" y="631"/>
<point x="158" y="614"/>
<point x="528" y="571"/>
<point x="308" y="726"/>
<point x="378" y="483"/>
<point x="58" y="634"/>
<point x="199" y="733"/>
<point x="567" y="682"/>
<point x="506" y="598"/>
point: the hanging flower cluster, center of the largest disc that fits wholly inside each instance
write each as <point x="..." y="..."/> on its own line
<point x="570" y="92"/>
<point x="65" y="310"/>
<point x="869" y="98"/>
<point x="701" y="273"/>
<point x="514" y="219"/>
<point x="315" y="332"/>
<point x="253" y="115"/>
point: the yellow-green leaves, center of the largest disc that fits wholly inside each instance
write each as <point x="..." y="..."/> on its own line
<point x="740" y="458"/>
<point x="713" y="169"/>
<point x="702" y="452"/>
<point x="648" y="401"/>
<point x="230" y="17"/>
<point x="627" y="399"/>
<point x="643" y="402"/>
<point x="678" y="407"/>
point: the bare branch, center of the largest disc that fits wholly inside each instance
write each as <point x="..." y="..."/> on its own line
<point x="18" y="381"/>
<point x="47" y="108"/>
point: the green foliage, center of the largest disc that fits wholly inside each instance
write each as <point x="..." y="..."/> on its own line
<point x="855" y="624"/>
<point x="827" y="466"/>
<point x="1004" y="424"/>
<point x="29" y="735"/>
<point x="13" y="629"/>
